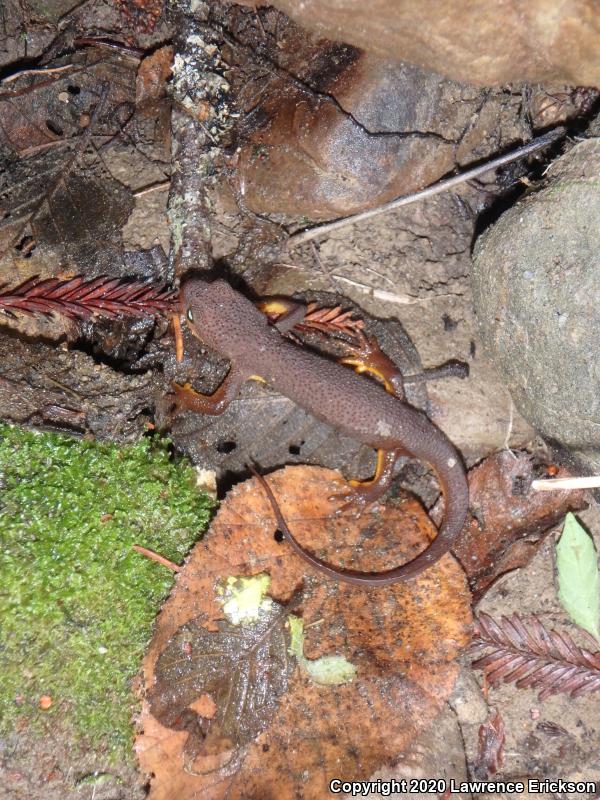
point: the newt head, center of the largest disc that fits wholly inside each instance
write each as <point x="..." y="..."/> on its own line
<point x="221" y="317"/>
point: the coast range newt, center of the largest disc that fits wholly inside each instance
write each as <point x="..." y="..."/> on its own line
<point x="230" y="324"/>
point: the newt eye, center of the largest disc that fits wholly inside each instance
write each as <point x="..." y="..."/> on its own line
<point x="190" y="316"/>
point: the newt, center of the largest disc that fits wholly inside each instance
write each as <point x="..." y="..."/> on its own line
<point x="231" y="325"/>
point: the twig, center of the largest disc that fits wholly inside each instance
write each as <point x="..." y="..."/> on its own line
<point x="436" y="188"/>
<point x="509" y="427"/>
<point x="68" y="142"/>
<point x="45" y="71"/>
<point x="155" y="557"/>
<point x="152" y="187"/>
<point x="562" y="484"/>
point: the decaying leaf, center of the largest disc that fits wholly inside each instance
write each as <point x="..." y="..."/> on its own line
<point x="50" y="111"/>
<point x="578" y="576"/>
<point x="492" y="735"/>
<point x="58" y="132"/>
<point x="508" y="521"/>
<point x="56" y="213"/>
<point x="244" y="668"/>
<point x="326" y="678"/>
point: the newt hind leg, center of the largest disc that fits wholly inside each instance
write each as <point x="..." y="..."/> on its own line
<point x="363" y="493"/>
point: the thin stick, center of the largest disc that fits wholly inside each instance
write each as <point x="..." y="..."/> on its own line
<point x="429" y="191"/>
<point x="45" y="71"/>
<point x="561" y="484"/>
<point x="155" y="557"/>
<point x="152" y="187"/>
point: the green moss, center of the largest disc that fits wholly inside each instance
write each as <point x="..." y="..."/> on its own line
<point x="76" y="602"/>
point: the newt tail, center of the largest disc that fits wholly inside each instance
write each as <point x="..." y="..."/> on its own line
<point x="433" y="553"/>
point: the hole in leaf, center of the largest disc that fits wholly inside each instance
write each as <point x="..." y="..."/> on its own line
<point x="54" y="128"/>
<point x="278" y="535"/>
<point x="26" y="246"/>
<point x="226" y="447"/>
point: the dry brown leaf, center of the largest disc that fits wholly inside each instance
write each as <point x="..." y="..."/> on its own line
<point x="402" y="639"/>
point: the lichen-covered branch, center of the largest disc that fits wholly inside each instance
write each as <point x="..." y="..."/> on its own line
<point x="201" y="120"/>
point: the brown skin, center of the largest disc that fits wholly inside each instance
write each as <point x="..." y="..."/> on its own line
<point x="231" y="325"/>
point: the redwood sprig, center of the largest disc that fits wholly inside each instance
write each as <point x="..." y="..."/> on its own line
<point x="528" y="655"/>
<point x="82" y="298"/>
<point x="331" y="320"/>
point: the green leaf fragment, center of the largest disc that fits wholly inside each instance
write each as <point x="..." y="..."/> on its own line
<point x="327" y="670"/>
<point x="578" y="576"/>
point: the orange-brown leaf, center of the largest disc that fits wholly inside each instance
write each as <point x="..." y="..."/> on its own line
<point x="153" y="74"/>
<point x="403" y="640"/>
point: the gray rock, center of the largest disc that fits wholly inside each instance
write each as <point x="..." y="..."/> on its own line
<point x="536" y="286"/>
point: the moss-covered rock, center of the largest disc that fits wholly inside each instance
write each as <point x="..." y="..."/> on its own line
<point x="76" y="602"/>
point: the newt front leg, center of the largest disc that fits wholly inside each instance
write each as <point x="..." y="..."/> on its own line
<point x="186" y="399"/>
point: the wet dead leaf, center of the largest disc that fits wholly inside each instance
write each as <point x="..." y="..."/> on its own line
<point x="508" y="520"/>
<point x="62" y="211"/>
<point x="46" y="111"/>
<point x="249" y="720"/>
<point x="57" y="195"/>
<point x="243" y="669"/>
<point x="65" y="215"/>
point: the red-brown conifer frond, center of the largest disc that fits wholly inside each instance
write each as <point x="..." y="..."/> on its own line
<point x="526" y="654"/>
<point x="331" y="320"/>
<point x="82" y="298"/>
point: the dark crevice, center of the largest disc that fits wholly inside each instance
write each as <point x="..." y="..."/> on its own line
<point x="122" y="365"/>
<point x="54" y="128"/>
<point x="226" y="447"/>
